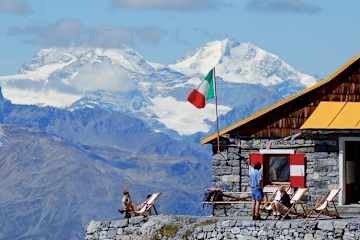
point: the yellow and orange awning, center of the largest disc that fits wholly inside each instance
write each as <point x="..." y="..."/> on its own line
<point x="334" y="115"/>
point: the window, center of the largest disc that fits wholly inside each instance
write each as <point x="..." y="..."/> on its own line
<point x="277" y="168"/>
<point x="281" y="166"/>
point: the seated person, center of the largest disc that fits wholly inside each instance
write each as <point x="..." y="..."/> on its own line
<point x="127" y="203"/>
<point x="282" y="206"/>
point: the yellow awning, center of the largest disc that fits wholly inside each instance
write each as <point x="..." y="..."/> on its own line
<point x="334" y="115"/>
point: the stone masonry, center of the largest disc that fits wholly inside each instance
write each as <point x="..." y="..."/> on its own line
<point x="231" y="169"/>
<point x="215" y="228"/>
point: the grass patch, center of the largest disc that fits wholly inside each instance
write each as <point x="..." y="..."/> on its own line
<point x="190" y="231"/>
<point x="168" y="231"/>
<point x="206" y="222"/>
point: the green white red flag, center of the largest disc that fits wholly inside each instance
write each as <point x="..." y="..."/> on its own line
<point x="205" y="91"/>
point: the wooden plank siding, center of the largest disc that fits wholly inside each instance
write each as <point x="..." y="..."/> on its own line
<point x="288" y="118"/>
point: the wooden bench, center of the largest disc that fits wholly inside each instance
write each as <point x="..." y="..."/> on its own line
<point x="241" y="198"/>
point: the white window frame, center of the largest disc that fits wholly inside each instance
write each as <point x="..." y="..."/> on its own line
<point x="277" y="151"/>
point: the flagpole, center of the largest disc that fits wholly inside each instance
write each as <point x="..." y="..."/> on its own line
<point x="217" y="114"/>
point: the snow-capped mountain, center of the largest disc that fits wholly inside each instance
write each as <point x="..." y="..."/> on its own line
<point x="67" y="74"/>
<point x="122" y="80"/>
<point x="240" y="63"/>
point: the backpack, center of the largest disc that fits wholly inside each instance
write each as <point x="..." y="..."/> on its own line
<point x="213" y="196"/>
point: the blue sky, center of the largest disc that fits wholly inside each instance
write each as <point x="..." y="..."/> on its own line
<point x="313" y="36"/>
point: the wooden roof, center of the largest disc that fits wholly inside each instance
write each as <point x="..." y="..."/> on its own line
<point x="287" y="100"/>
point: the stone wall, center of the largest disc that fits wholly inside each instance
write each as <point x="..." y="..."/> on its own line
<point x="182" y="227"/>
<point x="227" y="169"/>
<point x="231" y="169"/>
<point x="322" y="173"/>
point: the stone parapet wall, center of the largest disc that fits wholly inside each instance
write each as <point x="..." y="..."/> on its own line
<point x="198" y="228"/>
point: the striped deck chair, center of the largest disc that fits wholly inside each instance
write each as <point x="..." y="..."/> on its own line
<point x="148" y="205"/>
<point x="322" y="206"/>
<point x="296" y="200"/>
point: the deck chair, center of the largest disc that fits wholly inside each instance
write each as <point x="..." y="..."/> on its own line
<point x="148" y="205"/>
<point x="295" y="200"/>
<point x="276" y="197"/>
<point x="322" y="206"/>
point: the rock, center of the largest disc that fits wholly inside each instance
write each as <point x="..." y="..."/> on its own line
<point x="283" y="224"/>
<point x="235" y="230"/>
<point x="225" y="223"/>
<point x="111" y="233"/>
<point x="308" y="236"/>
<point x="263" y="233"/>
<point x="246" y="223"/>
<point x="105" y="225"/>
<point x="319" y="234"/>
<point x="119" y="231"/>
<point x="123" y="238"/>
<point x="119" y="223"/>
<point x="92" y="227"/>
<point x="103" y="235"/>
<point x="242" y="237"/>
<point x="200" y="236"/>
<point x="325" y="225"/>
<point x="340" y="225"/>
<point x="348" y="236"/>
<point x="136" y="220"/>
<point x="208" y="228"/>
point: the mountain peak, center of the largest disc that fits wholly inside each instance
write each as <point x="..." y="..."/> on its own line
<point x="200" y="61"/>
<point x="241" y="62"/>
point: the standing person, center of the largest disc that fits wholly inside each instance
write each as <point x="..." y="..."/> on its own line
<point x="256" y="190"/>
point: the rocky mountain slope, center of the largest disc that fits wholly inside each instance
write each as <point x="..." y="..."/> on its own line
<point x="51" y="187"/>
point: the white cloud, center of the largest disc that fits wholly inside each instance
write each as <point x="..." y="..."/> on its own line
<point x="39" y="97"/>
<point x="71" y="33"/>
<point x="183" y="117"/>
<point x="294" y="6"/>
<point x="167" y="4"/>
<point x="102" y="77"/>
<point x="17" y="7"/>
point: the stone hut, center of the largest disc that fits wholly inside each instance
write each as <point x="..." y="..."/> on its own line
<point x="311" y="139"/>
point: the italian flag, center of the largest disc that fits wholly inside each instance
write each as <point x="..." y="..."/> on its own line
<point x="205" y="91"/>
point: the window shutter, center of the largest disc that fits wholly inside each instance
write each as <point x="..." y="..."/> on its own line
<point x="256" y="158"/>
<point x="297" y="170"/>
